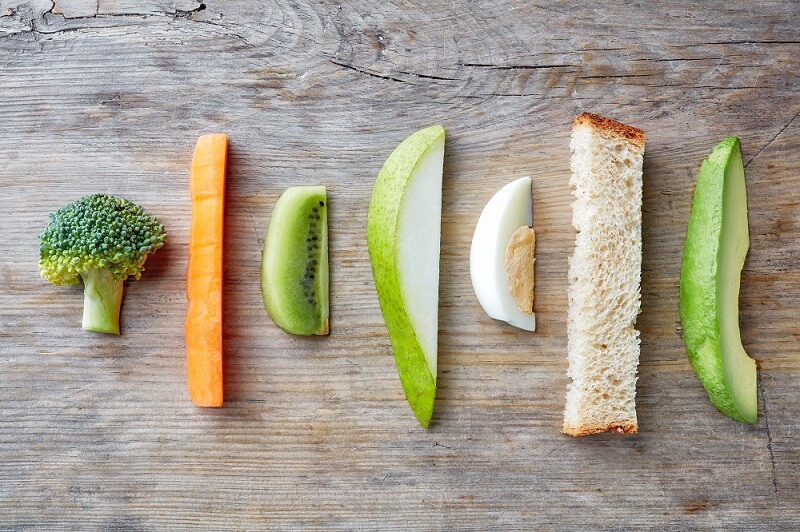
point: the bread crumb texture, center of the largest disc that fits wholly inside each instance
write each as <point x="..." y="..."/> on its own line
<point x="604" y="276"/>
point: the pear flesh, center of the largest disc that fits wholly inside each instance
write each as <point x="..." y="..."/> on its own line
<point x="717" y="240"/>
<point x="403" y="237"/>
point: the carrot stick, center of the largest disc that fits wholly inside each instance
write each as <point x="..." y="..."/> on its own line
<point x="204" y="276"/>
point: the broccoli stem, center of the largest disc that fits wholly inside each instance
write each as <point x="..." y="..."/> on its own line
<point x="102" y="298"/>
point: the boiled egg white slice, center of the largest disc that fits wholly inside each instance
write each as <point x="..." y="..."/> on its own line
<point x="508" y="210"/>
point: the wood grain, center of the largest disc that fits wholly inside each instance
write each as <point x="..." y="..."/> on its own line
<point x="110" y="96"/>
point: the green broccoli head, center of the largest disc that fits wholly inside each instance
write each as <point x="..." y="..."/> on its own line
<point x="98" y="232"/>
<point x="101" y="240"/>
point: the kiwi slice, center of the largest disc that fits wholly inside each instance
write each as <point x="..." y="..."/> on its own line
<point x="294" y="267"/>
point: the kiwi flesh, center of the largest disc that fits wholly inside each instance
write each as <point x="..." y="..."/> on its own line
<point x="294" y="265"/>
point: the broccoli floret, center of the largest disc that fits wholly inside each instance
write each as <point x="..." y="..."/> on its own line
<point x="100" y="240"/>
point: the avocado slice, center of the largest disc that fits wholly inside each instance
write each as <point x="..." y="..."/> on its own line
<point x="717" y="240"/>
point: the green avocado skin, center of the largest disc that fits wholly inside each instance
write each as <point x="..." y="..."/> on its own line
<point x="699" y="274"/>
<point x="418" y="383"/>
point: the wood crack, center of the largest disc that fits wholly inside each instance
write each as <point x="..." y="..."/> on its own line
<point x="600" y="49"/>
<point x="40" y="26"/>
<point x="188" y="12"/>
<point x="199" y="6"/>
<point x="374" y="74"/>
<point x="769" y="436"/>
<point x="482" y="95"/>
<point x="366" y="72"/>
<point x="679" y="59"/>
<point x="507" y="95"/>
<point x="744" y="42"/>
<point x="225" y="30"/>
<point x="178" y="13"/>
<point x="427" y="76"/>
<point x="768" y="144"/>
<point x="613" y="76"/>
<point x="515" y="67"/>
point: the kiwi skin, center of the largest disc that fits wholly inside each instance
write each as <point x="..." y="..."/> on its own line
<point x="294" y="265"/>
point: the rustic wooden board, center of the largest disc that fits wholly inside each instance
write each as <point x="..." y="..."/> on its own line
<point x="110" y="95"/>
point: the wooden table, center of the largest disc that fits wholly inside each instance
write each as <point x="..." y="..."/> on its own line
<point x="109" y="96"/>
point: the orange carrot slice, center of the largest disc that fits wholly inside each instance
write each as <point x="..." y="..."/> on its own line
<point x="204" y="276"/>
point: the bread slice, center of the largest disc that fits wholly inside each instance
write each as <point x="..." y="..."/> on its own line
<point x="604" y="274"/>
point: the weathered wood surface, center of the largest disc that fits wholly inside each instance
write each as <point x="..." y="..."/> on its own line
<point x="104" y="95"/>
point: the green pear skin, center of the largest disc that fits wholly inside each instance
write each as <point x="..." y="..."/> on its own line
<point x="717" y="240"/>
<point x="419" y="384"/>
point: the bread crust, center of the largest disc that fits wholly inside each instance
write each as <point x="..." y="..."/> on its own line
<point x="622" y="427"/>
<point x="633" y="135"/>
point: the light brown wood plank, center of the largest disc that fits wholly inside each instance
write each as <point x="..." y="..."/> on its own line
<point x="110" y="96"/>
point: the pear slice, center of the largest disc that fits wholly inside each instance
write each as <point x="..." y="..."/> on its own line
<point x="717" y="241"/>
<point x="501" y="256"/>
<point x="403" y="233"/>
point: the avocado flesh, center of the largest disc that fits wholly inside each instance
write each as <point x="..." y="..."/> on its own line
<point x="716" y="244"/>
